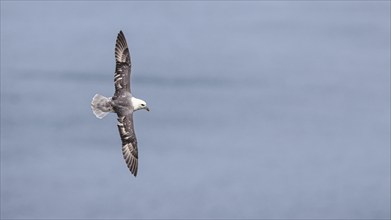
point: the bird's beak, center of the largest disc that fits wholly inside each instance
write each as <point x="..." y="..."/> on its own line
<point x="146" y="108"/>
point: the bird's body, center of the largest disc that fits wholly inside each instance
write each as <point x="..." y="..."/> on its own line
<point x="122" y="103"/>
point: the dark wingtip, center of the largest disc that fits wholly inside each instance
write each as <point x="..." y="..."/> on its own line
<point x="131" y="163"/>
<point x="133" y="169"/>
<point x="121" y="49"/>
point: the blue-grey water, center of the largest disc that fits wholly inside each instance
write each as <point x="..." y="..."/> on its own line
<point x="259" y="109"/>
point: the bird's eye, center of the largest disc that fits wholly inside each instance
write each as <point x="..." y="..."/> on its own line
<point x="142" y="105"/>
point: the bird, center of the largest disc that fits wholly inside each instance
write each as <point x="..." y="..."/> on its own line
<point x="123" y="103"/>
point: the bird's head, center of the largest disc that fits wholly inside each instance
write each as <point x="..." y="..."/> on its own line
<point x="139" y="104"/>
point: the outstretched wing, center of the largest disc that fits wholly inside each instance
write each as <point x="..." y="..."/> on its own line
<point x="123" y="65"/>
<point x="129" y="141"/>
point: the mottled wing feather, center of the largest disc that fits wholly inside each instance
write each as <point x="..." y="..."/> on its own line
<point x="129" y="141"/>
<point x="123" y="65"/>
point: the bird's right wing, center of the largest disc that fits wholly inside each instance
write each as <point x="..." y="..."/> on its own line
<point x="129" y="141"/>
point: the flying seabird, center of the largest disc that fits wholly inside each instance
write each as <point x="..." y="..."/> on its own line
<point x="122" y="103"/>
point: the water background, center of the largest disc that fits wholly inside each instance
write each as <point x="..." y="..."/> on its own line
<point x="258" y="109"/>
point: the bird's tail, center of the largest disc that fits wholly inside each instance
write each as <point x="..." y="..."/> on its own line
<point x="101" y="106"/>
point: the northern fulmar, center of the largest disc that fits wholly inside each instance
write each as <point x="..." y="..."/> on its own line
<point x="122" y="103"/>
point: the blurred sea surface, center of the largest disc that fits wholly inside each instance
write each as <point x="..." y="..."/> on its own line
<point x="258" y="109"/>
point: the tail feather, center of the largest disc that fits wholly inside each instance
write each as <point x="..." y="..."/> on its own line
<point x="101" y="106"/>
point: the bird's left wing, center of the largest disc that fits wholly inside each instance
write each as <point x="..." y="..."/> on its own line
<point x="129" y="141"/>
<point x="122" y="65"/>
